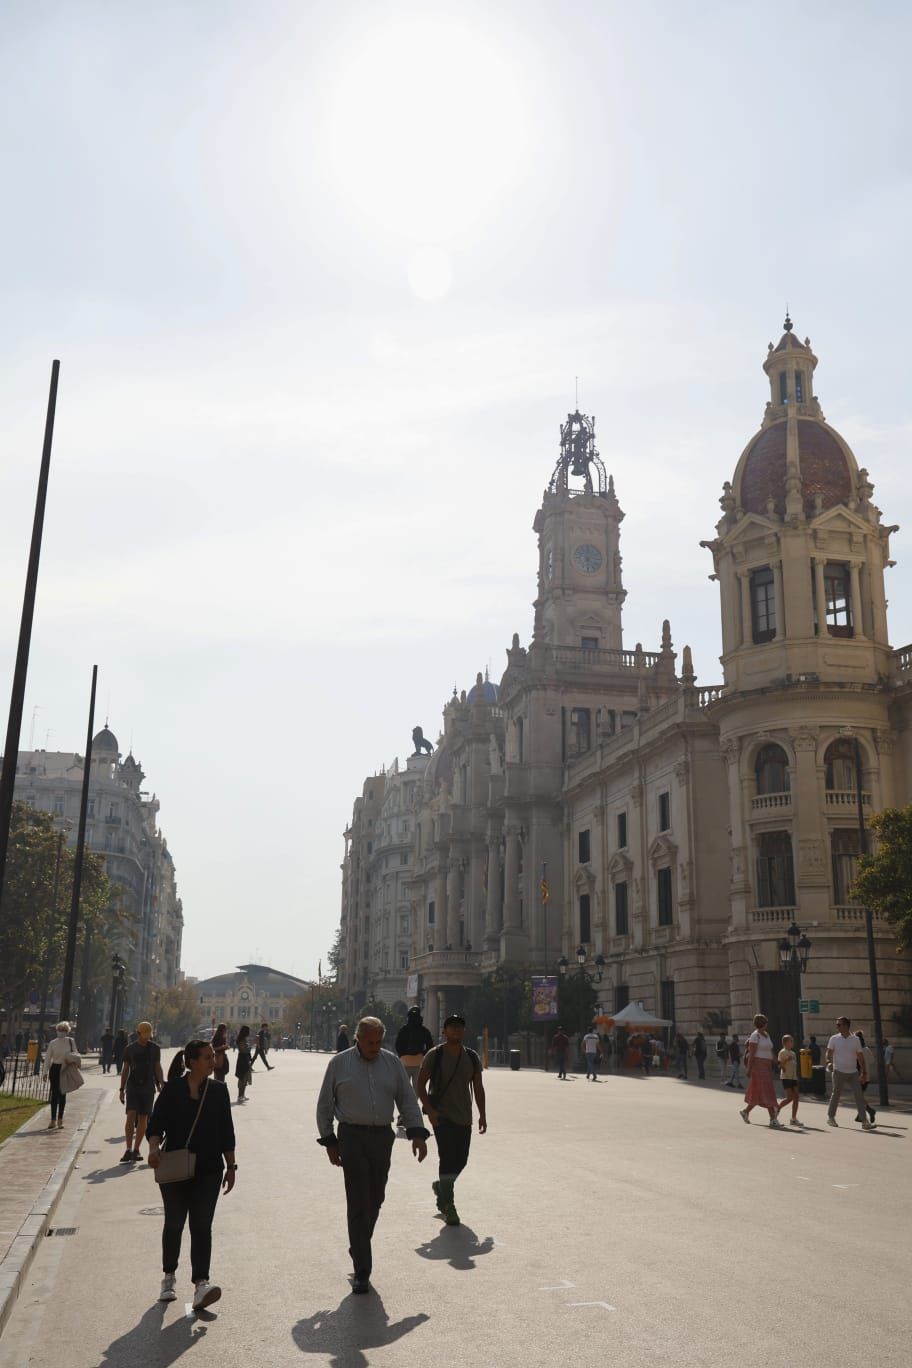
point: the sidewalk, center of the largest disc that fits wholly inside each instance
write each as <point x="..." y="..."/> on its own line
<point x="34" y="1165"/>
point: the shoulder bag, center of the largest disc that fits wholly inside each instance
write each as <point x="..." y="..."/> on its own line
<point x="176" y="1166"/>
<point x="70" y="1074"/>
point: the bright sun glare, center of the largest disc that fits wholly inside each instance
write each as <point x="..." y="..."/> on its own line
<point x="427" y="133"/>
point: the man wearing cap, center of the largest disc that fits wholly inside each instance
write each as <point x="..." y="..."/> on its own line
<point x="453" y="1074"/>
<point x="360" y="1088"/>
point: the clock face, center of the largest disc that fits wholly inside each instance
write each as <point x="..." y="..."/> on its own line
<point x="549" y="563"/>
<point x="587" y="558"/>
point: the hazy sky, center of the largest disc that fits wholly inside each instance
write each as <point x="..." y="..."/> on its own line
<point x="320" y="277"/>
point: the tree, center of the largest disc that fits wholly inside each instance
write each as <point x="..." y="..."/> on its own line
<point x="884" y="882"/>
<point x="176" y="1014"/>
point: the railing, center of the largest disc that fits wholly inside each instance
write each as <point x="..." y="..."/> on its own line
<point x="851" y="912"/>
<point x="764" y="801"/>
<point x="846" y="798"/>
<point x="903" y="658"/>
<point x="21" y="1080"/>
<point x="603" y="658"/>
<point x="773" y="914"/>
<point x="710" y="694"/>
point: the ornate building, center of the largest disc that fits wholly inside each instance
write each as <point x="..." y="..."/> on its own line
<point x="597" y="798"/>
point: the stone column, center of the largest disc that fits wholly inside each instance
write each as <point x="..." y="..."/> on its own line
<point x="440" y="928"/>
<point x="511" y="882"/>
<point x="747" y="634"/>
<point x="820" y="596"/>
<point x="493" y="906"/>
<point x="780" y="602"/>
<point x="857" y="617"/>
<point x="451" y="937"/>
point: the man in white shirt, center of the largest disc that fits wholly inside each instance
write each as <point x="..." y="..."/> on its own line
<point x="591" y="1046"/>
<point x="846" y="1058"/>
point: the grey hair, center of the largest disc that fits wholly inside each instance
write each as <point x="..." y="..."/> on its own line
<point x="63" y="1026"/>
<point x="369" y="1024"/>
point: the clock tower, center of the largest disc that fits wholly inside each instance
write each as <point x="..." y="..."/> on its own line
<point x="580" y="593"/>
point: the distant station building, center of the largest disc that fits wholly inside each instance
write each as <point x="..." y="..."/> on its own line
<point x="248" y="996"/>
<point x="598" y="801"/>
<point x="121" y="827"/>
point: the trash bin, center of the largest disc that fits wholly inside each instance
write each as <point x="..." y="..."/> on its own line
<point x="816" y="1084"/>
<point x="514" y="1060"/>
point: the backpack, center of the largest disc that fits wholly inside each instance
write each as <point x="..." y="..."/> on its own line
<point x="437" y="1071"/>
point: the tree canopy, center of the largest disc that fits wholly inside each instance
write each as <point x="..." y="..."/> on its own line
<point x="884" y="881"/>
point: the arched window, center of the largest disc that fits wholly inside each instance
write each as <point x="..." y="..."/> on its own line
<point x="839" y="765"/>
<point x="771" y="770"/>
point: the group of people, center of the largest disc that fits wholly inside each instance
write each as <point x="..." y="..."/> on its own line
<point x="849" y="1059"/>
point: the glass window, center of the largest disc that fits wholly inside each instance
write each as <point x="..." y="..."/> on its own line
<point x="844" y="850"/>
<point x="664" y="811"/>
<point x="403" y="959"/>
<point x="584" y="847"/>
<point x="431" y="913"/>
<point x="839" y="766"/>
<point x="622" y="830"/>
<point x="763" y="604"/>
<point x="799" y="387"/>
<point x="621" y="925"/>
<point x="838" y="595"/>
<point x="621" y="996"/>
<point x="771" y="770"/>
<point x="589" y="643"/>
<point x="519" y="740"/>
<point x="585" y="918"/>
<point x="775" y="870"/>
<point x="663" y="889"/>
<point x="579" y="731"/>
<point x="783" y="388"/>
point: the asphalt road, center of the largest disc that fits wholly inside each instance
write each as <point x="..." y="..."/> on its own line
<point x="630" y="1222"/>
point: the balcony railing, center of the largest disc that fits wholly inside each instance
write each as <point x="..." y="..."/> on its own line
<point x="846" y="798"/>
<point x="851" y="912"/>
<point x="709" y="694"/>
<point x="764" y="802"/>
<point x="586" y="658"/>
<point x="772" y="914"/>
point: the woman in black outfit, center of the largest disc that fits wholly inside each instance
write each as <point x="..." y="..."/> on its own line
<point x="185" y="1097"/>
<point x="242" y="1063"/>
<point x="220" y="1047"/>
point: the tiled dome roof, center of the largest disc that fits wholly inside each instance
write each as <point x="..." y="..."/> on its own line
<point x="823" y="464"/>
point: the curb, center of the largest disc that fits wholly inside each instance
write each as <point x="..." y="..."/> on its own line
<point x="15" y="1266"/>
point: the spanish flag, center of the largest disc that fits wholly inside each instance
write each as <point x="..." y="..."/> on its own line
<point x="545" y="891"/>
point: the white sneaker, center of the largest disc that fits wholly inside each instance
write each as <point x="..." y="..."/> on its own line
<point x="795" y="1122"/>
<point x="776" y="1124"/>
<point x="168" y="1293"/>
<point x="206" y="1293"/>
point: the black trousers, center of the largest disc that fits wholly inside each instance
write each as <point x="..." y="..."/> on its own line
<point x="197" y="1199"/>
<point x="58" y="1099"/>
<point x="365" y="1152"/>
<point x="452" y="1149"/>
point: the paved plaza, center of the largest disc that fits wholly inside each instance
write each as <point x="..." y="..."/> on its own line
<point x="631" y="1222"/>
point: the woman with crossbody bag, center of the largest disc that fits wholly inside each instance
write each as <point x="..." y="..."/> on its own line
<point x="61" y="1056"/>
<point x="193" y="1116"/>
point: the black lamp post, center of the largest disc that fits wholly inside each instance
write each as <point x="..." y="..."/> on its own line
<point x="583" y="974"/>
<point x="794" y="950"/>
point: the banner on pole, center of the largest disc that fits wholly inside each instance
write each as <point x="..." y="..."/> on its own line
<point x="544" y="997"/>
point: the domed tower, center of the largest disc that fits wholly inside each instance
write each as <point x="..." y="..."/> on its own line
<point x="800" y="555"/>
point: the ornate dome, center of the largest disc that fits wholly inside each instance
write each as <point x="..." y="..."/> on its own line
<point x="105" y="741"/>
<point x="483" y="690"/>
<point x="826" y="476"/>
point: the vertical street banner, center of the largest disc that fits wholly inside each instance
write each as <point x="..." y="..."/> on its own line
<point x="544" y="997"/>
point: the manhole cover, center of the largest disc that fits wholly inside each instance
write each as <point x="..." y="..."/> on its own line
<point x="152" y="1211"/>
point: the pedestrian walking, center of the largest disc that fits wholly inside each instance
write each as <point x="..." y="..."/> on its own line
<point x="263" y="1042"/>
<point x="889" y="1062"/>
<point x="680" y="1049"/>
<point x="560" y="1044"/>
<point x="360" y="1088"/>
<point x="120" y="1045"/>
<point x="242" y="1063"/>
<point x="140" y="1079"/>
<point x="342" y="1040"/>
<point x="760" y="1089"/>
<point x="220" y="1050"/>
<point x="846" y="1060"/>
<point x="62" y="1050"/>
<point x="699" y="1053"/>
<point x="814" y="1049"/>
<point x="788" y="1077"/>
<point x="591" y="1051"/>
<point x="647" y="1048"/>
<point x="449" y="1077"/>
<point x="722" y="1056"/>
<point x="734" y="1063"/>
<point x="869" y="1070"/>
<point x="107" y="1049"/>
<point x="412" y="1044"/>
<point x="193" y="1112"/>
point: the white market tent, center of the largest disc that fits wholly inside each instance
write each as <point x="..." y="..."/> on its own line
<point x="633" y="1017"/>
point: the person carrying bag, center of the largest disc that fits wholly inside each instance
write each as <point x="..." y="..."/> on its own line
<point x="61" y="1068"/>
<point x="192" y="1115"/>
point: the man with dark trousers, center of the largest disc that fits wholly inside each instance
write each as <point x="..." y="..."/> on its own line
<point x="360" y="1089"/>
<point x="453" y="1074"/>
<point x="263" y="1041"/>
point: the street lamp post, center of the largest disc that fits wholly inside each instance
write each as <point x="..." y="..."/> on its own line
<point x="583" y="975"/>
<point x="794" y="952"/>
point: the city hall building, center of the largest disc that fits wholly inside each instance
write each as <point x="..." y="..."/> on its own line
<point x="598" y="798"/>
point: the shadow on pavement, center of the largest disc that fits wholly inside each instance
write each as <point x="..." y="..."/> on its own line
<point x="459" y="1245"/>
<point x="358" y="1323"/>
<point x="167" y="1344"/>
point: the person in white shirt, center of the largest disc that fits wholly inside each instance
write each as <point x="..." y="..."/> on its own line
<point x="761" y="1091"/>
<point x="845" y="1057"/>
<point x="591" y="1045"/>
<point x="58" y="1052"/>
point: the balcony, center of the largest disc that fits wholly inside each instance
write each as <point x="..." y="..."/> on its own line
<point x="586" y="658"/>
<point x="773" y="914"/>
<point x="769" y="802"/>
<point x="846" y="798"/>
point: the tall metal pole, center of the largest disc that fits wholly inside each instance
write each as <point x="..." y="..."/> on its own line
<point x="66" y="991"/>
<point x="869" y="933"/>
<point x="61" y="837"/>
<point x="17" y="698"/>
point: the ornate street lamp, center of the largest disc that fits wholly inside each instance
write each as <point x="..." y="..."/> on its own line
<point x="563" y="965"/>
<point x="794" y="950"/>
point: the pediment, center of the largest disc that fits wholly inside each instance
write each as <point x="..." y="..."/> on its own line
<point x="584" y="879"/>
<point x="840" y="519"/>
<point x="619" y="866"/>
<point x="751" y="526"/>
<point x="662" y="848"/>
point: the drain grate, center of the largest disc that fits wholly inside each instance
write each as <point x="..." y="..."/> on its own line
<point x="63" y="1230"/>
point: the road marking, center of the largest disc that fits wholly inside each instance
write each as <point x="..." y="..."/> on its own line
<point x="801" y="1178"/>
<point x="844" y="1186"/>
<point x="605" y="1304"/>
<point x="558" y="1287"/>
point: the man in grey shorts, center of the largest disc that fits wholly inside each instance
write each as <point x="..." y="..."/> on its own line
<point x="140" y="1079"/>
